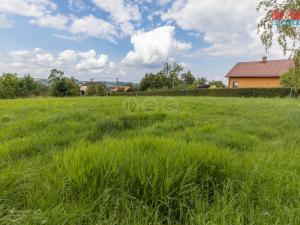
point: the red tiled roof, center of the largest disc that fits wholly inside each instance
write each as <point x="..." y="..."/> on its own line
<point x="121" y="88"/>
<point x="273" y="68"/>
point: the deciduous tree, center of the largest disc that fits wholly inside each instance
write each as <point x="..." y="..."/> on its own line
<point x="288" y="37"/>
<point x="291" y="79"/>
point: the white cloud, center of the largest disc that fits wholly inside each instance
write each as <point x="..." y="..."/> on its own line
<point x="126" y="29"/>
<point x="44" y="14"/>
<point x="35" y="61"/>
<point x="90" y="26"/>
<point x="155" y="47"/>
<point x="164" y="2"/>
<point x="55" y="21"/>
<point x="5" y="22"/>
<point x="225" y="25"/>
<point x="43" y="58"/>
<point x="31" y="8"/>
<point x="93" y="63"/>
<point x="19" y="55"/>
<point x="67" y="56"/>
<point x="88" y="54"/>
<point x="36" y="56"/>
<point x="77" y="5"/>
<point x="119" y="10"/>
<point x="82" y="65"/>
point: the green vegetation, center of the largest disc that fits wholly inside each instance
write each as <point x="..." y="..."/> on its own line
<point x="291" y="78"/>
<point x="242" y="92"/>
<point x="287" y="36"/>
<point x="12" y="86"/>
<point x="96" y="89"/>
<point x="135" y="161"/>
<point x="61" y="86"/>
<point x="171" y="77"/>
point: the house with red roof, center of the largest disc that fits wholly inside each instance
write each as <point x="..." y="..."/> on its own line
<point x="258" y="74"/>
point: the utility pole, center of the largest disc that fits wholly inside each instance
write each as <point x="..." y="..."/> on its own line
<point x="117" y="81"/>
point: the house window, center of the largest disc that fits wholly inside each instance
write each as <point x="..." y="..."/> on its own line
<point x="235" y="84"/>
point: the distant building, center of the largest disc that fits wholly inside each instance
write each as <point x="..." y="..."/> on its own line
<point x="122" y="89"/>
<point x="204" y="86"/>
<point x="83" y="89"/>
<point x="258" y="74"/>
<point x="84" y="86"/>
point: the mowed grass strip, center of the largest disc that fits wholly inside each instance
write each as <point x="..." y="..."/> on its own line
<point x="89" y="161"/>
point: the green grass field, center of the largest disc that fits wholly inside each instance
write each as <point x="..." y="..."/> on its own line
<point x="142" y="161"/>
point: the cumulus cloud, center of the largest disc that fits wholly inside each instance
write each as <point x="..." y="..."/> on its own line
<point x="119" y="10"/>
<point x="43" y="58"/>
<point x="122" y="13"/>
<point x="93" y="63"/>
<point x="19" y="55"/>
<point x="88" y="54"/>
<point x="44" y="14"/>
<point x="36" y="56"/>
<point x="67" y="56"/>
<point x="35" y="61"/>
<point x="94" y="27"/>
<point x="77" y="5"/>
<point x="225" y="25"/>
<point x="155" y="47"/>
<point x="54" y="21"/>
<point x="29" y="8"/>
<point x="82" y="65"/>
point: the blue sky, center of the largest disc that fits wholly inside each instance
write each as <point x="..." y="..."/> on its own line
<point x="105" y="39"/>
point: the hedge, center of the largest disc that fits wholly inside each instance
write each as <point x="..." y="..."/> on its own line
<point x="242" y="92"/>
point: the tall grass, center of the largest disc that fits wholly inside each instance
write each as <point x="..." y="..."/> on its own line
<point x="85" y="161"/>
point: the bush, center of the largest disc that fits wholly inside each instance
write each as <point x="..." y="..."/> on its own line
<point x="243" y="92"/>
<point x="96" y="90"/>
<point x="11" y="86"/>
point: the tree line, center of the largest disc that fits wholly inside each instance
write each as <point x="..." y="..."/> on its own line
<point x="59" y="85"/>
<point x="12" y="86"/>
<point x="172" y="77"/>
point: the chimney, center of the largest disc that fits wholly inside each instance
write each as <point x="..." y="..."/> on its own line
<point x="264" y="59"/>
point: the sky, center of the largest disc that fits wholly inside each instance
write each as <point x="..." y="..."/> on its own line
<point x="106" y="39"/>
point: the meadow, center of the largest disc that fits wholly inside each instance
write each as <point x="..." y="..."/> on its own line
<point x="150" y="160"/>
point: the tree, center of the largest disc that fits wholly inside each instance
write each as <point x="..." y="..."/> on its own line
<point x="288" y="36"/>
<point x="217" y="84"/>
<point x="55" y="74"/>
<point x="9" y="86"/>
<point x="174" y="75"/>
<point x="201" y="81"/>
<point x="291" y="79"/>
<point x="168" y="77"/>
<point x="73" y="88"/>
<point x="62" y="86"/>
<point x="27" y="86"/>
<point x="96" y="89"/>
<point x="57" y="83"/>
<point x="188" y="78"/>
<point x="147" y="82"/>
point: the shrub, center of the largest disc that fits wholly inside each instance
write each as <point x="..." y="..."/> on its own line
<point x="243" y="92"/>
<point x="96" y="90"/>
